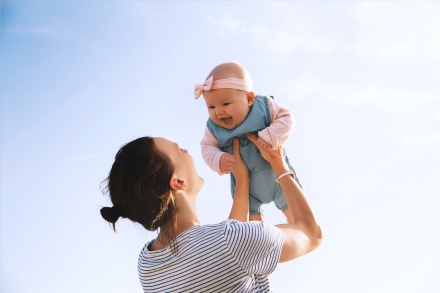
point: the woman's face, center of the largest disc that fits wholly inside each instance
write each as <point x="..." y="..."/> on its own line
<point x="183" y="163"/>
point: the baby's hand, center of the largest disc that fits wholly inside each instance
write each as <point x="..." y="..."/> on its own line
<point x="261" y="143"/>
<point x="226" y="163"/>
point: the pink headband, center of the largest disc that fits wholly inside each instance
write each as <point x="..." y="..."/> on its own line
<point x="226" y="83"/>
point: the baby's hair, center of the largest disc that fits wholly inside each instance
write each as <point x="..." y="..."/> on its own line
<point x="229" y="70"/>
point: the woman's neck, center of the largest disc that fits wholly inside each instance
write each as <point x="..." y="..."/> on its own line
<point x="166" y="235"/>
<point x="186" y="217"/>
<point x="186" y="211"/>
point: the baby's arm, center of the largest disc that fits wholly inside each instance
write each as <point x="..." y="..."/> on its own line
<point x="280" y="128"/>
<point x="219" y="161"/>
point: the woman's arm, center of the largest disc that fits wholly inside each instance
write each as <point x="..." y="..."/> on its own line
<point x="304" y="234"/>
<point x="240" y="204"/>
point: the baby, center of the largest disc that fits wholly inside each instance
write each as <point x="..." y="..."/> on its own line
<point x="234" y="110"/>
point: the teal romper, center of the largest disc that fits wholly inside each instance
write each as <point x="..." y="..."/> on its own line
<point x="263" y="188"/>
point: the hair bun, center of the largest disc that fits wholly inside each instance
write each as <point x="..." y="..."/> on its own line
<point x="112" y="214"/>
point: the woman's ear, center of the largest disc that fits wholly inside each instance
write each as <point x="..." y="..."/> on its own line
<point x="177" y="184"/>
<point x="251" y="98"/>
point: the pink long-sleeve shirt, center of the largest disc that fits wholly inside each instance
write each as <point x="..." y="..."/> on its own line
<point x="279" y="130"/>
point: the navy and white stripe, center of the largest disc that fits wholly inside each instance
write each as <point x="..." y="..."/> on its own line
<point x="226" y="257"/>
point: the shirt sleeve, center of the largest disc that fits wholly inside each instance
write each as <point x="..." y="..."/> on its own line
<point x="256" y="246"/>
<point x="211" y="151"/>
<point x="281" y="126"/>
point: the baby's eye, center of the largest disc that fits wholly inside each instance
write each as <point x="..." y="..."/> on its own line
<point x="211" y="107"/>
<point x="226" y="104"/>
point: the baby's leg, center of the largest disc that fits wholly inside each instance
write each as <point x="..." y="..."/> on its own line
<point x="255" y="209"/>
<point x="255" y="217"/>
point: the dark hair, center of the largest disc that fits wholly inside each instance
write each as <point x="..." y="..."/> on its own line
<point x="138" y="185"/>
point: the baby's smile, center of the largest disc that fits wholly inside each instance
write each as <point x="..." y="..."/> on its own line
<point x="226" y="120"/>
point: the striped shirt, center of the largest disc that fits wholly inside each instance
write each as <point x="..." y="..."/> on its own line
<point x="226" y="257"/>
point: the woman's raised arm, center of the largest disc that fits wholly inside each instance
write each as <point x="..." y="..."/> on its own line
<point x="240" y="204"/>
<point x="304" y="234"/>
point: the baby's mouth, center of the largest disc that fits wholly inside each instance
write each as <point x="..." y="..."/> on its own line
<point x="226" y="120"/>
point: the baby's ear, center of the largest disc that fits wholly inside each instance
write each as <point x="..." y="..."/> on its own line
<point x="251" y="98"/>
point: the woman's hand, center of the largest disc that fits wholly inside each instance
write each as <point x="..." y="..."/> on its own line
<point x="240" y="204"/>
<point x="303" y="234"/>
<point x="262" y="144"/>
<point x="274" y="157"/>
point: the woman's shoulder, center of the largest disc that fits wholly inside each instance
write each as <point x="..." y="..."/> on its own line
<point x="253" y="229"/>
<point x="252" y="240"/>
<point x="238" y="235"/>
<point x="196" y="233"/>
<point x="231" y="224"/>
<point x="234" y="224"/>
<point x="227" y="230"/>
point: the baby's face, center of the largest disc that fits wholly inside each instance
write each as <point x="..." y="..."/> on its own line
<point x="228" y="108"/>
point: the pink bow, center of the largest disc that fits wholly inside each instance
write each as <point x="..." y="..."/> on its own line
<point x="200" y="88"/>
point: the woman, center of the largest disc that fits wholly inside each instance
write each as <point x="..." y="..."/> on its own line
<point x="154" y="182"/>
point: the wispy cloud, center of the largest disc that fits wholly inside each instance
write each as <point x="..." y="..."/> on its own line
<point x="393" y="30"/>
<point x="389" y="99"/>
<point x="420" y="140"/>
<point x="380" y="29"/>
<point x="277" y="40"/>
<point x="417" y="111"/>
<point x="227" y="25"/>
<point x="436" y="115"/>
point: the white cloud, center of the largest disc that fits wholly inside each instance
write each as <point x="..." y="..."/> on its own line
<point x="285" y="41"/>
<point x="389" y="99"/>
<point x="407" y="48"/>
<point x="291" y="37"/>
<point x="436" y="115"/>
<point x="398" y="29"/>
<point x="384" y="29"/>
<point x="433" y="45"/>
<point x="227" y="24"/>
<point x="426" y="139"/>
<point x="300" y="88"/>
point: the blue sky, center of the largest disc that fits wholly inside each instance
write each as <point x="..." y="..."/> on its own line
<point x="81" y="78"/>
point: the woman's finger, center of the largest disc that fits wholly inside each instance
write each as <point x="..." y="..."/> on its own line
<point x="236" y="148"/>
<point x="252" y="137"/>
